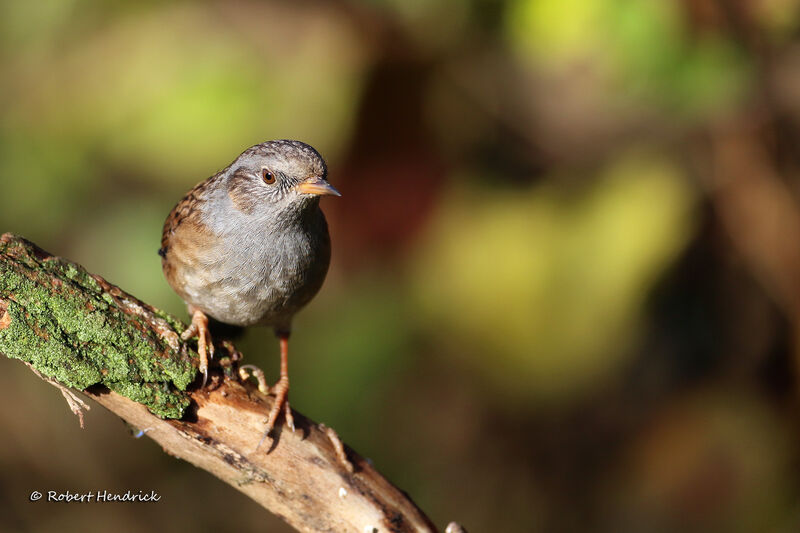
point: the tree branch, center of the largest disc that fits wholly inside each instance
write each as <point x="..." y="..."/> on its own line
<point x="79" y="331"/>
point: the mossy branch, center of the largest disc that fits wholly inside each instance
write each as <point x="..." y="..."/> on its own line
<point x="80" y="331"/>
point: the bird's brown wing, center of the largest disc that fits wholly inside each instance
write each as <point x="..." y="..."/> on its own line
<point x="185" y="238"/>
<point x="188" y="209"/>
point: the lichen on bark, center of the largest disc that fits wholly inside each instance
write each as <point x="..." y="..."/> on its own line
<point x="80" y="330"/>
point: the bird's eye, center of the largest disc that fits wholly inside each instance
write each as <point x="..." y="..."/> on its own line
<point x="269" y="177"/>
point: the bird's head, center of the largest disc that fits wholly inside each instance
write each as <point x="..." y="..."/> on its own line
<point x="278" y="178"/>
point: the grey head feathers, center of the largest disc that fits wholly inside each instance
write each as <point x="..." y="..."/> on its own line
<point x="260" y="184"/>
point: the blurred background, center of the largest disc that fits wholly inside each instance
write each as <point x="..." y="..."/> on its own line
<point x="565" y="290"/>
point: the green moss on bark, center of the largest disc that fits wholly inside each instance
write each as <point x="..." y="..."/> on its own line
<point x="80" y="330"/>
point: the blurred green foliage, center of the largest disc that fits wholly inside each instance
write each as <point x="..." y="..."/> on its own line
<point x="542" y="289"/>
<point x="640" y="50"/>
<point x="532" y="318"/>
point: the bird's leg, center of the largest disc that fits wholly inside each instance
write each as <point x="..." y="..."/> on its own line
<point x="205" y="347"/>
<point x="281" y="389"/>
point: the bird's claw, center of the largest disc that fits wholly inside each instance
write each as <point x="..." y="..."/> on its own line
<point x="287" y="413"/>
<point x="189" y="332"/>
<point x="205" y="345"/>
<point x="281" y="390"/>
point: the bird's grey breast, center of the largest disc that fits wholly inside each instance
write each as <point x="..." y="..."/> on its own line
<point x="264" y="271"/>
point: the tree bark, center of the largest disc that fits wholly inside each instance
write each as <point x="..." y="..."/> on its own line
<point x="79" y="331"/>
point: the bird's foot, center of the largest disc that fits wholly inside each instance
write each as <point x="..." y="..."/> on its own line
<point x="281" y="390"/>
<point x="205" y="346"/>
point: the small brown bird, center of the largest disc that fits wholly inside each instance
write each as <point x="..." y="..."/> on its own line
<point x="250" y="246"/>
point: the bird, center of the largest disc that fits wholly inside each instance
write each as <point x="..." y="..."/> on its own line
<point x="250" y="246"/>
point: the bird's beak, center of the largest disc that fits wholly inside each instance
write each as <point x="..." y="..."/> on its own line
<point x="316" y="186"/>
